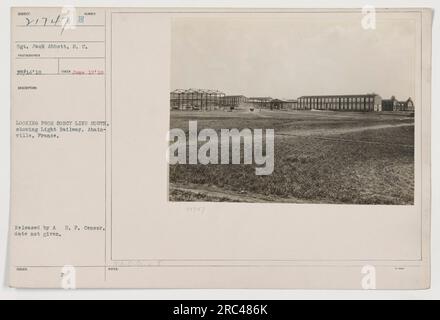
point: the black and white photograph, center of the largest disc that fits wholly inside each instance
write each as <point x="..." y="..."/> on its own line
<point x="232" y="153"/>
<point x="297" y="110"/>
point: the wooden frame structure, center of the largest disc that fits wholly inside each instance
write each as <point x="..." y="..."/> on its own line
<point x="196" y="99"/>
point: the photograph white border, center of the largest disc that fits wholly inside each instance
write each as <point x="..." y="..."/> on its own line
<point x="7" y="293"/>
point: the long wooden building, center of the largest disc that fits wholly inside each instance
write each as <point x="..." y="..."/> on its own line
<point x="203" y="99"/>
<point x="363" y="102"/>
<point x="196" y="99"/>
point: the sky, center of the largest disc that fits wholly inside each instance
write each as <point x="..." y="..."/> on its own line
<point x="288" y="56"/>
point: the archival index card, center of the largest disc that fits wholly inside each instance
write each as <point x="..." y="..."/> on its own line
<point x="220" y="148"/>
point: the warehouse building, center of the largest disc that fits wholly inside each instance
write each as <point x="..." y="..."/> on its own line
<point x="290" y="104"/>
<point x="408" y="105"/>
<point x="260" y="102"/>
<point x="196" y="99"/>
<point x="282" y="104"/>
<point x="395" y="105"/>
<point x="234" y="101"/>
<point x="365" y="102"/>
<point x="205" y="100"/>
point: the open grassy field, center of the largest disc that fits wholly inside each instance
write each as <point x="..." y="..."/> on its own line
<point x="320" y="157"/>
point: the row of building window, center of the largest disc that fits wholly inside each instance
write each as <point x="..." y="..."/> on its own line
<point x="357" y="103"/>
<point x="337" y="100"/>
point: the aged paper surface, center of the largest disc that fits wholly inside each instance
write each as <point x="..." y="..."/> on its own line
<point x="120" y="174"/>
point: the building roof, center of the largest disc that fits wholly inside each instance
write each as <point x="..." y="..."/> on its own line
<point x="341" y="95"/>
<point x="197" y="91"/>
<point x="261" y="98"/>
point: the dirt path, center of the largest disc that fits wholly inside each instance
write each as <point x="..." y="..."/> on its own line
<point x="335" y="131"/>
<point x="327" y="133"/>
<point x="231" y="196"/>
